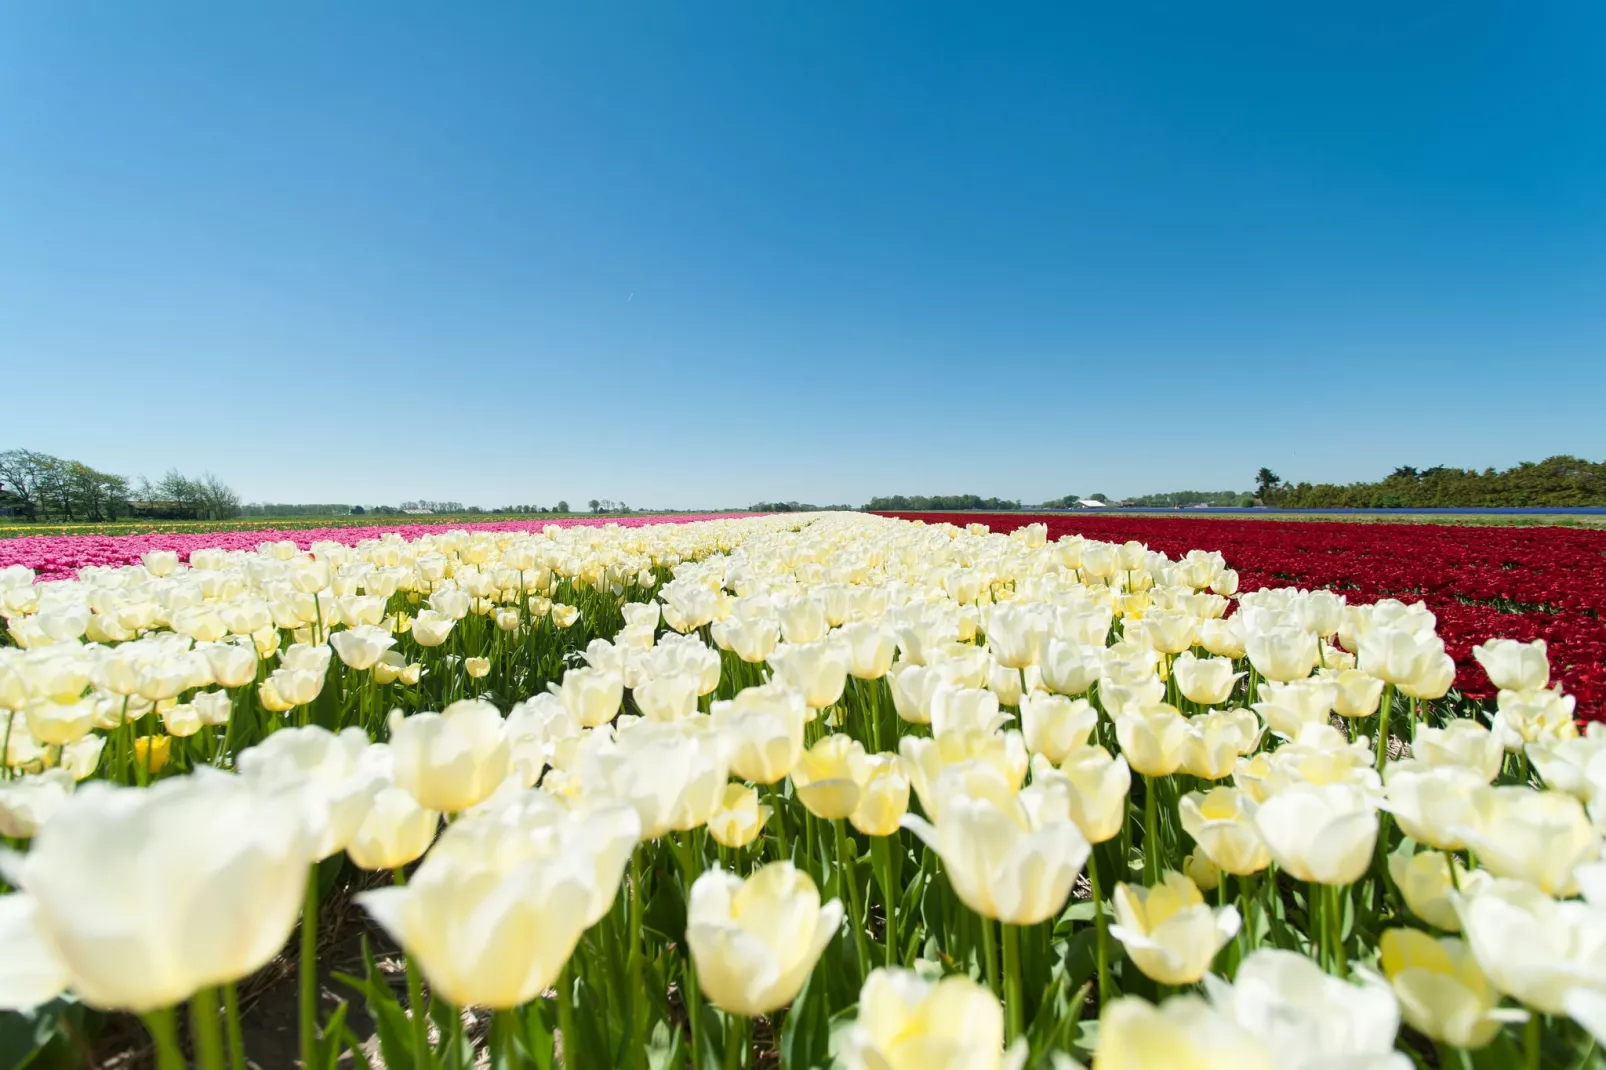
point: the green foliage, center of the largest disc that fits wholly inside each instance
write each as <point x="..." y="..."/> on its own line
<point x="921" y="503"/>
<point x="796" y="507"/>
<point x="1185" y="498"/>
<point x="1555" y="481"/>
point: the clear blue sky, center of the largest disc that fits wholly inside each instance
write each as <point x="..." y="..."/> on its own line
<point x="698" y="254"/>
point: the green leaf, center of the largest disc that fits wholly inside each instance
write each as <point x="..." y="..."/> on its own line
<point x="333" y="1040"/>
<point x="391" y="1023"/>
<point x="806" y="1037"/>
<point x="664" y="1047"/>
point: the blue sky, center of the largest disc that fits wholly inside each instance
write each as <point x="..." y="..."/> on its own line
<point x="698" y="254"/>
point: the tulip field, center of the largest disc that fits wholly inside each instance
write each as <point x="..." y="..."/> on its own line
<point x="1526" y="583"/>
<point x="827" y="790"/>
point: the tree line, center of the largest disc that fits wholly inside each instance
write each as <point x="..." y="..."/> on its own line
<point x="38" y="486"/>
<point x="1554" y="481"/>
<point x="921" y="503"/>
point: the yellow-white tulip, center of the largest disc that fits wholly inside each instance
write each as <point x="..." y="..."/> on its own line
<point x="1428" y="887"/>
<point x="819" y="670"/>
<point x="884" y="797"/>
<point x="1531" y="947"/>
<point x="395" y="831"/>
<point x="1152" y="738"/>
<point x="326" y="770"/>
<point x="667" y="698"/>
<point x="450" y="761"/>
<point x="1320" y="834"/>
<point x="1169" y="932"/>
<point x="830" y="776"/>
<point x="137" y="937"/>
<point x="1097" y="788"/>
<point x="1462" y="741"/>
<point x="1433" y="804"/>
<point x="1442" y="992"/>
<point x="1281" y="654"/>
<point x="740" y="817"/>
<point x="1009" y="856"/>
<point x="1206" y="681"/>
<point x="907" y="1022"/>
<point x="755" y="942"/>
<point x="1054" y="726"/>
<point x="925" y="760"/>
<point x="523" y="898"/>
<point x="592" y="696"/>
<point x="1219" y="823"/>
<point x="765" y="724"/>
<point x="28" y="802"/>
<point x="1514" y="666"/>
<point x="1308" y="1017"/>
<point x="1184" y="1031"/>
<point x="361" y="647"/>
<point x="1536" y="836"/>
<point x="1216" y="740"/>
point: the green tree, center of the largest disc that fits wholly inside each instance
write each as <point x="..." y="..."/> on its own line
<point x="1266" y="481"/>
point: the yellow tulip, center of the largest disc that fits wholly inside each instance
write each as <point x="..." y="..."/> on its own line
<point x="151" y="753"/>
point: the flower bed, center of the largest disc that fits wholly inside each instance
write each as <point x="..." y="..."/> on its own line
<point x="55" y="557"/>
<point x="1519" y="583"/>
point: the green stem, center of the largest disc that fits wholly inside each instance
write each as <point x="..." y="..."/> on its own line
<point x="1316" y="910"/>
<point x="881" y="848"/>
<point x="163" y="1027"/>
<point x="207" y="1030"/>
<point x="845" y="873"/>
<point x="778" y="804"/>
<point x="1335" y="918"/>
<point x="232" y="1030"/>
<point x="636" y="960"/>
<point x="735" y="1041"/>
<point x="1151" y="840"/>
<point x="689" y="866"/>
<point x="1386" y="707"/>
<point x="566" y="1026"/>
<point x="1100" y="930"/>
<point x="415" y="997"/>
<point x="505" y="1040"/>
<point x="989" y="953"/>
<point x="1014" y="999"/>
<point x="1532" y="1037"/>
<point x="309" y="970"/>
